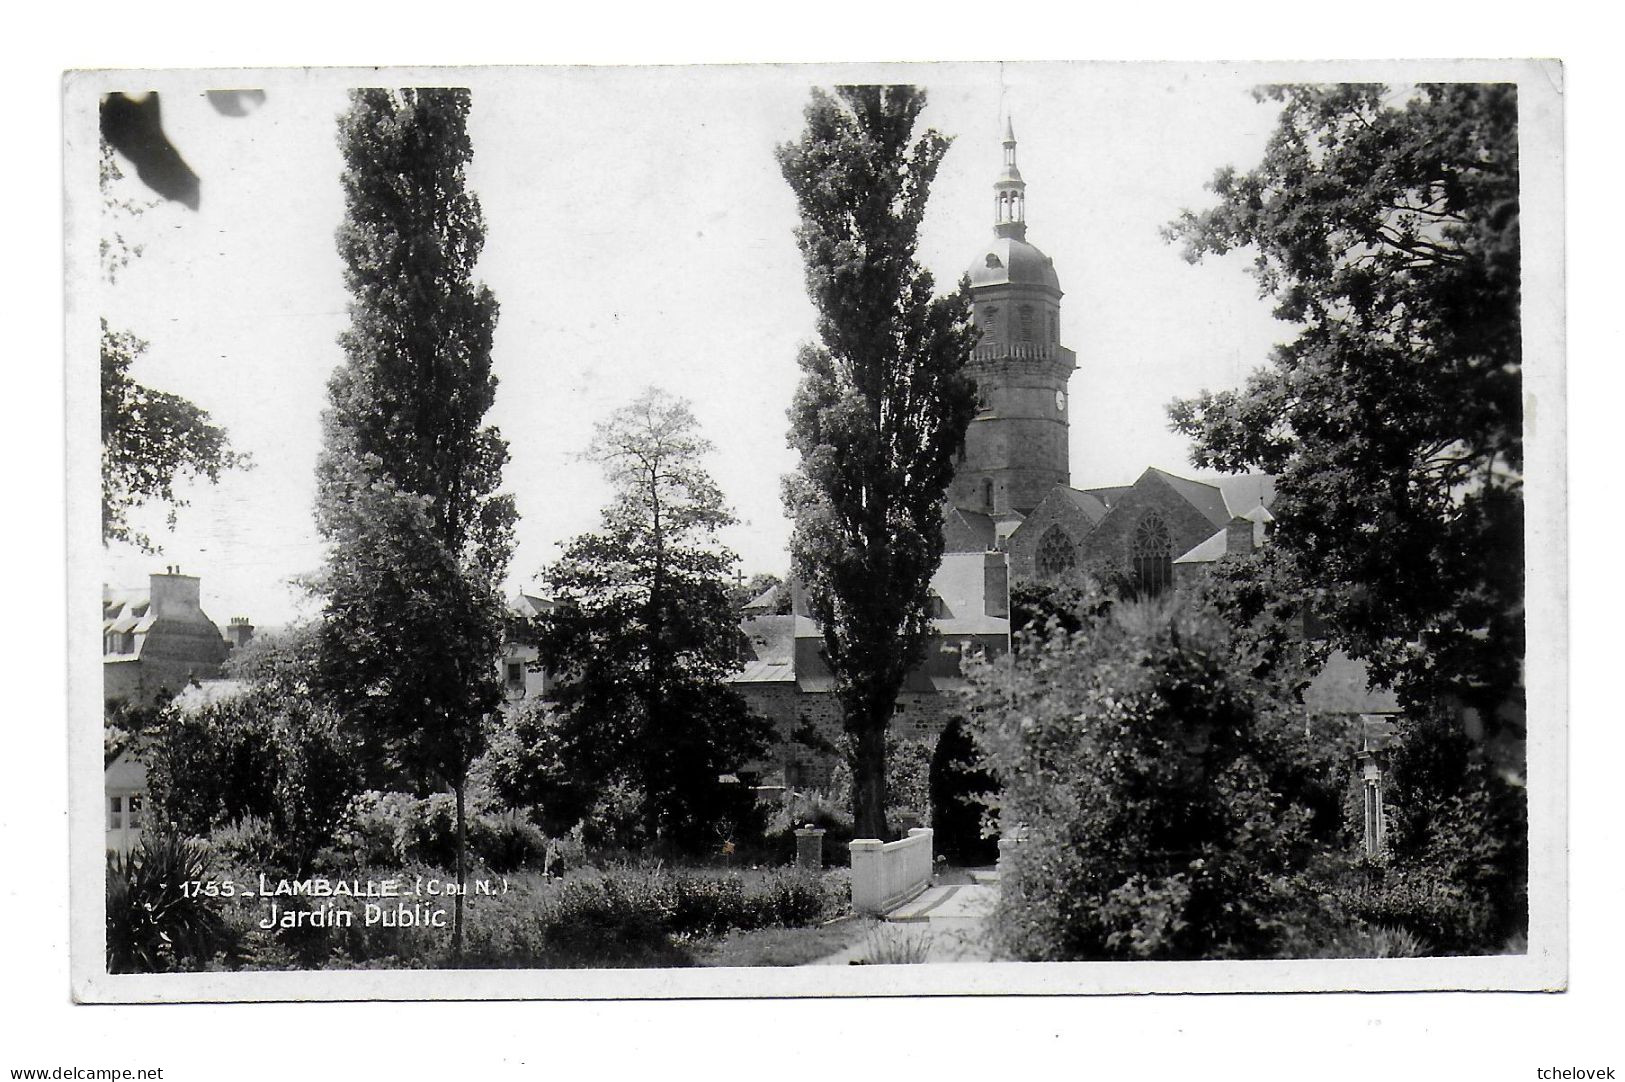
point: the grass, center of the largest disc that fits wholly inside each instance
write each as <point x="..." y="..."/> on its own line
<point x="896" y="944"/>
<point x="779" y="946"/>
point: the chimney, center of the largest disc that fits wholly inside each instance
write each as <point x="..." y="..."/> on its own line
<point x="239" y="632"/>
<point x="1238" y="537"/>
<point x="995" y="585"/>
<point x="174" y="595"/>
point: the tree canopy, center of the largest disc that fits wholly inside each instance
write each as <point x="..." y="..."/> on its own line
<point x="408" y="476"/>
<point x="882" y="408"/>
<point x="1385" y="227"/>
<point x="644" y="633"/>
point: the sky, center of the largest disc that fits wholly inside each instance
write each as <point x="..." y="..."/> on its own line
<point x="638" y="234"/>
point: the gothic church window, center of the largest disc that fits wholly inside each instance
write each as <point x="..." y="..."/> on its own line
<point x="1056" y="553"/>
<point x="1152" y="555"/>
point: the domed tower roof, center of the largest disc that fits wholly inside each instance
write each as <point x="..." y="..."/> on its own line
<point x="1007" y="259"/>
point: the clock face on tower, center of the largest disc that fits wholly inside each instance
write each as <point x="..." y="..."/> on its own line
<point x="1060" y="401"/>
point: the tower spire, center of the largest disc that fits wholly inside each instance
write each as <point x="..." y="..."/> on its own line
<point x="1010" y="191"/>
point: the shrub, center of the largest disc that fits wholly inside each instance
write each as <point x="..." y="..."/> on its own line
<point x="259" y="753"/>
<point x="153" y="925"/>
<point x="908" y="788"/>
<point x="614" y="820"/>
<point x="608" y="918"/>
<point x="507" y="841"/>
<point x="376" y="828"/>
<point x="819" y="809"/>
<point x="1159" y="791"/>
<point x="1459" y="851"/>
<point x="250" y="844"/>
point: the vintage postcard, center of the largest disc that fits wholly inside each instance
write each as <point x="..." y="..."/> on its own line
<point x="826" y="530"/>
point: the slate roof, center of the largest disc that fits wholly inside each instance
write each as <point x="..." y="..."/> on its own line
<point x="764" y="601"/>
<point x="981" y="527"/>
<point x="1093" y="508"/>
<point x="1107" y="495"/>
<point x="1214" y="548"/>
<point x="127" y="610"/>
<point x="771" y="641"/>
<point x="1206" y="498"/>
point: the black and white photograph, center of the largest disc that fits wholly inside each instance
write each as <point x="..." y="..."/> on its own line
<point x="816" y="530"/>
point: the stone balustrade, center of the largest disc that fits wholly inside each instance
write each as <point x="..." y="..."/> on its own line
<point x="887" y="874"/>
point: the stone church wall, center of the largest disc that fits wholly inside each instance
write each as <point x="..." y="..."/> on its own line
<point x="1113" y="540"/>
<point x="1057" y="510"/>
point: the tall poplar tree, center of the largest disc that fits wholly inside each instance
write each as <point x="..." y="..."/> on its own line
<point x="419" y="535"/>
<point x="882" y="408"/>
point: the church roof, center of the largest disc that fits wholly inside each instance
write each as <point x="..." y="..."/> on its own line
<point x="1107" y="495"/>
<point x="764" y="601"/>
<point x="1091" y="505"/>
<point x="1209" y="551"/>
<point x="1205" y="497"/>
<point x="980" y="533"/>
<point x="1012" y="261"/>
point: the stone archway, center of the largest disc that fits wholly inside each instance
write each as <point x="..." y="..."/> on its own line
<point x="956" y="820"/>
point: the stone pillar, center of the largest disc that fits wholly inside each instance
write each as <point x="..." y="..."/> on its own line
<point x="868" y="879"/>
<point x="1008" y="844"/>
<point x="810" y="848"/>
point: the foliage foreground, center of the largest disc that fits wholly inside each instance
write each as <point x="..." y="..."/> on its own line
<point x="1176" y="806"/>
<point x="621" y="915"/>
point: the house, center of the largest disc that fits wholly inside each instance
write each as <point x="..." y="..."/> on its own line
<point x="124" y="794"/>
<point x="522" y="679"/>
<point x="158" y="640"/>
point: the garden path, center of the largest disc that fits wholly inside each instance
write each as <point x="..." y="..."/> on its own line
<point x="945" y="924"/>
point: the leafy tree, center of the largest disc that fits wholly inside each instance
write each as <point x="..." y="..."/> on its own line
<point x="1167" y="797"/>
<point x="529" y="765"/>
<point x="644" y="635"/>
<point x="882" y="408"/>
<point x="419" y="536"/>
<point x="1386" y="229"/>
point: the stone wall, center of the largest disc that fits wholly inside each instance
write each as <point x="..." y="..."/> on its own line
<point x="1112" y="541"/>
<point x="1058" y="509"/>
<point x="921" y="716"/>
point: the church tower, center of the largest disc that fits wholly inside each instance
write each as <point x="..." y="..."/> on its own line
<point x="1016" y="449"/>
